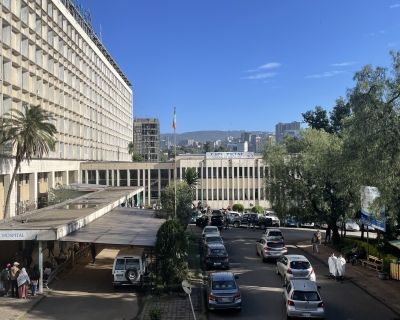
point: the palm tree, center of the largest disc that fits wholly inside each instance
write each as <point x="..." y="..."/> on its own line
<point x="31" y="136"/>
<point x="191" y="177"/>
<point x="131" y="148"/>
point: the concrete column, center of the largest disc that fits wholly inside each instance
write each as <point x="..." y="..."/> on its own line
<point x="118" y="184"/>
<point x="52" y="179"/>
<point x="143" y="200"/>
<point x="202" y="182"/>
<point x="97" y="176"/>
<point x="128" y="178"/>
<point x="86" y="177"/>
<point x="159" y="183"/>
<point x="67" y="177"/>
<point x="40" y="267"/>
<point x="148" y="190"/>
<point x="33" y="189"/>
<point x="107" y="179"/>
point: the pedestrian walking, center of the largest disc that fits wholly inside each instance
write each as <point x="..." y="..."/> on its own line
<point x="332" y="266"/>
<point x="93" y="252"/>
<point x="34" y="276"/>
<point x="253" y="223"/>
<point x="23" y="282"/>
<point x="319" y="236"/>
<point x="341" y="267"/>
<point x="248" y="222"/>
<point x="327" y="235"/>
<point x="314" y="241"/>
<point x="6" y="278"/>
<point x="14" y="275"/>
<point x="227" y="221"/>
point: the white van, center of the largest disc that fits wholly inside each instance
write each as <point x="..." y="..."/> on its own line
<point x="130" y="266"/>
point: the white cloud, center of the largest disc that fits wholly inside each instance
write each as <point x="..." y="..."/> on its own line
<point x="269" y="65"/>
<point x="325" y="74"/>
<point x="392" y="44"/>
<point x="343" y="64"/>
<point x="261" y="76"/>
<point x="394" y="6"/>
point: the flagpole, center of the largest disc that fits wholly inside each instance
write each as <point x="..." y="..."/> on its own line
<point x="175" y="161"/>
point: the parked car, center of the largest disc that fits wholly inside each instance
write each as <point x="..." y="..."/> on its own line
<point x="303" y="300"/>
<point x="293" y="266"/>
<point x="217" y="221"/>
<point x="307" y="224"/>
<point x="216" y="256"/>
<point x="216" y="212"/>
<point x="349" y="225"/>
<point x="211" y="238"/>
<point x="273" y="233"/>
<point x="223" y="291"/>
<point x="260" y="221"/>
<point x="268" y="248"/>
<point x="291" y="223"/>
<point x="275" y="220"/>
<point x="202" y="221"/>
<point x="195" y="215"/>
<point x="210" y="230"/>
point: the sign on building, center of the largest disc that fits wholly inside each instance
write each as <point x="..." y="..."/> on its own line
<point x="230" y="155"/>
<point x="376" y="220"/>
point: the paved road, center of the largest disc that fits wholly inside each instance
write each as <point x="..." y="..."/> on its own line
<point x="262" y="288"/>
<point x="87" y="293"/>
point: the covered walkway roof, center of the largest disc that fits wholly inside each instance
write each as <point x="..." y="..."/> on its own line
<point x="124" y="226"/>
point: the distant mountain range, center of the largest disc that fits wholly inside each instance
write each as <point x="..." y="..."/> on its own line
<point x="203" y="136"/>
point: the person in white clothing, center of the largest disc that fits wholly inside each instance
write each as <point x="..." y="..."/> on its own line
<point x="332" y="266"/>
<point x="341" y="267"/>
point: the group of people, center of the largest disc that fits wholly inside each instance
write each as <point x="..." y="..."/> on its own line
<point x="337" y="267"/>
<point x="18" y="280"/>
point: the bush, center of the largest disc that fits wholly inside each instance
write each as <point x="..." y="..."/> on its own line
<point x="257" y="209"/>
<point x="238" y="207"/>
<point x="155" y="314"/>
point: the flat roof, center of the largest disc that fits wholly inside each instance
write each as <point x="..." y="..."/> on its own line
<point x="55" y="222"/>
<point x="124" y="226"/>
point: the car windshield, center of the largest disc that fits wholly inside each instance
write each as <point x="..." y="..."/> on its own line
<point x="217" y="252"/>
<point x="214" y="239"/>
<point x="306" y="296"/>
<point x="275" y="234"/>
<point x="275" y="244"/>
<point x="299" y="265"/>
<point x="224" y="285"/>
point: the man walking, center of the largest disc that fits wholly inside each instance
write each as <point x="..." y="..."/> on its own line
<point x="14" y="284"/>
<point x="332" y="263"/>
<point x="6" y="278"/>
<point x="93" y="252"/>
<point x="314" y="241"/>
<point x="27" y="255"/>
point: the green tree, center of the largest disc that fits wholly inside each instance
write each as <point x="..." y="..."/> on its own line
<point x="221" y="148"/>
<point x="131" y="148"/>
<point x="207" y="146"/>
<point x="191" y="177"/>
<point x="184" y="197"/>
<point x="238" y="207"/>
<point x="171" y="246"/>
<point x="60" y="194"/>
<point x="137" y="158"/>
<point x="308" y="178"/>
<point x="317" y="119"/>
<point x="257" y="209"/>
<point x="31" y="135"/>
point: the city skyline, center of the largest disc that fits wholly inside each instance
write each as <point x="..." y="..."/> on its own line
<point x="227" y="65"/>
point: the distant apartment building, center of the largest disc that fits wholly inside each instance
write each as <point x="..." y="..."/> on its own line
<point x="146" y="138"/>
<point x="238" y="147"/>
<point x="282" y="129"/>
<point x="165" y="143"/>
<point x="245" y="136"/>
<point x="186" y="143"/>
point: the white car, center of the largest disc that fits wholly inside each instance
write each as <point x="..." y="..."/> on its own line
<point x="350" y="225"/>
<point x="307" y="224"/>
<point x="295" y="266"/>
<point x="210" y="230"/>
<point x="275" y="220"/>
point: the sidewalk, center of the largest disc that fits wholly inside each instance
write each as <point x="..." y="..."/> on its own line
<point x="385" y="291"/>
<point x="176" y="306"/>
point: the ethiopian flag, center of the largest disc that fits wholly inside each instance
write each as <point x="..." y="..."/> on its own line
<point x="174" y="121"/>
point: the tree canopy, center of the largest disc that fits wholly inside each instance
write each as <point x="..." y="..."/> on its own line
<point x="191" y="177"/>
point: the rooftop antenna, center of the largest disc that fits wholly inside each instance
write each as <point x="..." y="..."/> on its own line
<point x="101" y="38"/>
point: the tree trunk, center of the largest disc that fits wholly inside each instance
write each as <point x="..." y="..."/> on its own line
<point x="17" y="165"/>
<point x="335" y="234"/>
<point x="362" y="232"/>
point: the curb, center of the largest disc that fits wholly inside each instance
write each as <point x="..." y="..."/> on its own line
<point x="357" y="284"/>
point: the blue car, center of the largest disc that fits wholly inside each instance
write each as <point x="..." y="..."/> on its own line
<point x="291" y="223"/>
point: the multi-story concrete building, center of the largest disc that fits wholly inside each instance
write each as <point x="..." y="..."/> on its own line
<point x="225" y="177"/>
<point x="286" y="128"/>
<point x="51" y="57"/>
<point x="146" y="138"/>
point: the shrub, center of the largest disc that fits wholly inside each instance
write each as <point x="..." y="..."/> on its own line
<point x="155" y="314"/>
<point x="257" y="209"/>
<point x="238" y="207"/>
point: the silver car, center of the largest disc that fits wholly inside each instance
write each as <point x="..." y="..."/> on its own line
<point x="223" y="291"/>
<point x="273" y="233"/>
<point x="212" y="238"/>
<point x="210" y="230"/>
<point x="293" y="266"/>
<point x="302" y="299"/>
<point x="270" y="248"/>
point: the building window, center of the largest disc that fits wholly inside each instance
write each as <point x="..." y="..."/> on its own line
<point x="230" y="194"/>
<point x="240" y="172"/>
<point x="262" y="194"/>
<point x="225" y="172"/>
<point x="27" y="179"/>
<point x="209" y="194"/>
<point x="256" y="194"/>
<point x="215" y="194"/>
<point x="230" y="173"/>
<point x="246" y="197"/>
<point x="204" y="194"/>
<point x="235" y="175"/>
<point x="198" y="194"/>
<point x="261" y="172"/>
<point x="251" y="194"/>
<point x="251" y="172"/>
<point x="240" y="194"/>
<point x="199" y="172"/>
<point x="245" y="172"/>
<point x="235" y="193"/>
<point x="219" y="194"/>
<point x="219" y="172"/>
<point x="256" y="172"/>
<point x="209" y="173"/>
<point x="204" y="173"/>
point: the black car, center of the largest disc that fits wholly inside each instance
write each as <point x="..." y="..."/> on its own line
<point x="217" y="220"/>
<point x="260" y="221"/>
<point x="216" y="256"/>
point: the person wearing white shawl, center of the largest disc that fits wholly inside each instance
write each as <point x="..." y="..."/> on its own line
<point x="332" y="265"/>
<point x="341" y="267"/>
<point x="23" y="281"/>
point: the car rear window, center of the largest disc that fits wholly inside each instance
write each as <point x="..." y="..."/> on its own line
<point x="210" y="230"/>
<point x="224" y="285"/>
<point x="305" y="296"/>
<point x="275" y="234"/>
<point x="214" y="239"/>
<point x="217" y="252"/>
<point x="275" y="244"/>
<point x="120" y="264"/>
<point x="299" y="265"/>
<point x="132" y="263"/>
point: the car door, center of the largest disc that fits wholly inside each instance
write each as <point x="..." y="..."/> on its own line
<point x="281" y="265"/>
<point x="243" y="219"/>
<point x="260" y="246"/>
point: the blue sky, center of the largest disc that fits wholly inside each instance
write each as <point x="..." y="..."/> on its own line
<point x="242" y="65"/>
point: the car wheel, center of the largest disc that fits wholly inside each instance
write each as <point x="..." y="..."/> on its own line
<point x="132" y="274"/>
<point x="236" y="224"/>
<point x="262" y="226"/>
